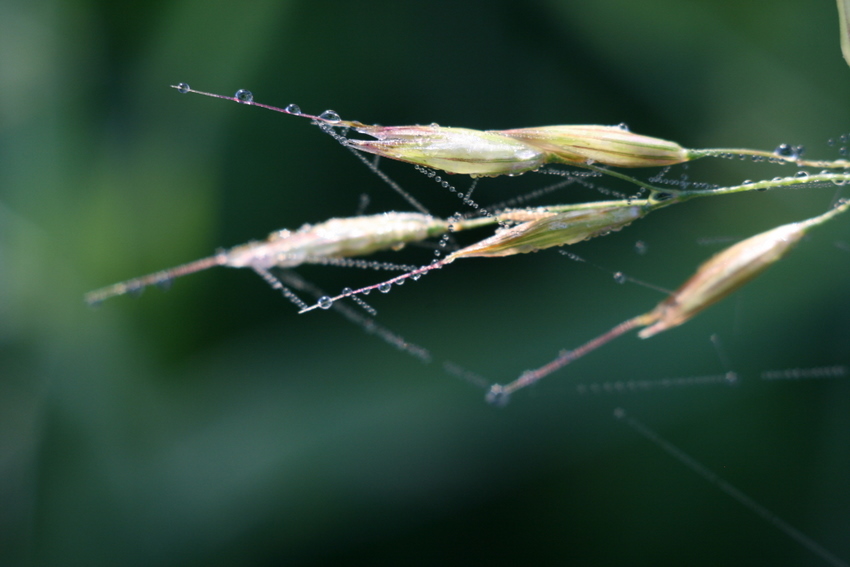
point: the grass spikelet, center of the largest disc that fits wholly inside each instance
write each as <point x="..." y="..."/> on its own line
<point x="608" y="145"/>
<point x="729" y="270"/>
<point x="332" y="239"/>
<point x="455" y="150"/>
<point x="555" y="229"/>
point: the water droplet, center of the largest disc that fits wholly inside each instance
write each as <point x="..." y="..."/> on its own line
<point x="330" y="116"/>
<point x="244" y="96"/>
<point x="325" y="302"/>
<point x="623" y="126"/>
<point x="400" y="282"/>
<point x="293" y="109"/>
<point x="843" y="151"/>
<point x="641" y="247"/>
<point x="802" y="174"/>
<point x="784" y="150"/>
<point x="747" y="182"/>
<point x="183" y="88"/>
<point x="497" y="396"/>
<point x="434" y="125"/>
<point x="385" y="287"/>
<point x="416" y="277"/>
<point x="346" y="291"/>
<point x="165" y="284"/>
<point x="620" y="277"/>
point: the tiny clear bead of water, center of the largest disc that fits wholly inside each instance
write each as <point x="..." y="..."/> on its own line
<point x="183" y="88"/>
<point x="784" y="150"/>
<point x="330" y="116"/>
<point x="244" y="96"/>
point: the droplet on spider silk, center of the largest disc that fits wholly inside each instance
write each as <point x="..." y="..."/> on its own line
<point x="244" y="96"/>
<point x="325" y="302"/>
<point x="165" y="284"/>
<point x="347" y="291"/>
<point x="802" y="175"/>
<point x="641" y="247"/>
<point x="293" y="109"/>
<point x="330" y="116"/>
<point x="620" y="277"/>
<point x="385" y="287"/>
<point x="497" y="396"/>
<point x="183" y="88"/>
<point x="135" y="290"/>
<point x="785" y="150"/>
<point x="623" y="126"/>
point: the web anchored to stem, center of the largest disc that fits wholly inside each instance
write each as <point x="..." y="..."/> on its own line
<point x="596" y="150"/>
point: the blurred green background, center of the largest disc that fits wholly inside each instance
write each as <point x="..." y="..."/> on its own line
<point x="212" y="425"/>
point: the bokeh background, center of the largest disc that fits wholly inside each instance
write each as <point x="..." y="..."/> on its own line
<point x="212" y="425"/>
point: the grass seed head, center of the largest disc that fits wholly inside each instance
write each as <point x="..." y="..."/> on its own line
<point x="556" y="229"/>
<point x="336" y="238"/>
<point x="453" y="150"/>
<point x="729" y="270"/>
<point x="607" y="145"/>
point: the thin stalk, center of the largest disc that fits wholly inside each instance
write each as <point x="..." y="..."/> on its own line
<point x="770" y="156"/>
<point x="500" y="395"/>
